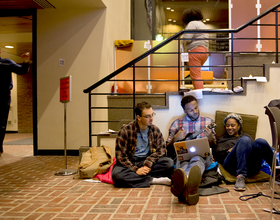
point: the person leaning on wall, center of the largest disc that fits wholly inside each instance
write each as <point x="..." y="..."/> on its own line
<point x="8" y="66"/>
<point x="239" y="154"/>
<point x="192" y="19"/>
<point x="187" y="176"/>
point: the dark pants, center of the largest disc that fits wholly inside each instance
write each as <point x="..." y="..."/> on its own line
<point x="125" y="177"/>
<point x="5" y="102"/>
<point x="246" y="157"/>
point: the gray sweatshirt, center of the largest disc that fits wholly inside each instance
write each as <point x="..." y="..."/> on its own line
<point x="191" y="44"/>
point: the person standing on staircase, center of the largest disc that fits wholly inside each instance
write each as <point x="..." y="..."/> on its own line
<point x="196" y="45"/>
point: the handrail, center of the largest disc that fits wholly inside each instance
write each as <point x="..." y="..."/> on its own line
<point x="152" y="50"/>
<point x="180" y="65"/>
<point x="258" y="17"/>
<point x="129" y="64"/>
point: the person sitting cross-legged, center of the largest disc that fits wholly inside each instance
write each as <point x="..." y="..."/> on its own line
<point x="140" y="153"/>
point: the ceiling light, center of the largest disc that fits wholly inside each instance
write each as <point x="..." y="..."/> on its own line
<point x="174" y="20"/>
<point x="207" y="19"/>
<point x="204" y="21"/>
<point x="159" y="37"/>
<point x="9" y="46"/>
<point x="168" y="8"/>
<point x="169" y="19"/>
<point x="172" y="10"/>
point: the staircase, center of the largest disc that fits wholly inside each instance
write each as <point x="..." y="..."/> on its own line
<point x="119" y="105"/>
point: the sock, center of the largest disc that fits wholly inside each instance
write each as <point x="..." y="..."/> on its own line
<point x="161" y="181"/>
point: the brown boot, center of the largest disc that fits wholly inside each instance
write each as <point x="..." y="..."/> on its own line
<point x="191" y="190"/>
<point x="179" y="180"/>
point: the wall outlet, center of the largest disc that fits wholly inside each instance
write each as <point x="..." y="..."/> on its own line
<point x="61" y="62"/>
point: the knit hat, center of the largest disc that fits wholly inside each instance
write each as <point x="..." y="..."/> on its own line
<point x="236" y="117"/>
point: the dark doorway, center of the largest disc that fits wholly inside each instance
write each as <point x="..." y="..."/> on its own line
<point x="18" y="29"/>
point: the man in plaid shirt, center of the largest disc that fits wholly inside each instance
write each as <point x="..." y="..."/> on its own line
<point x="140" y="153"/>
<point x="187" y="177"/>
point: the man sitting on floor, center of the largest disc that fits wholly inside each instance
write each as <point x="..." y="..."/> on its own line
<point x="140" y="153"/>
<point x="187" y="177"/>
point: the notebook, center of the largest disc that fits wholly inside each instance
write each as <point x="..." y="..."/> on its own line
<point x="185" y="150"/>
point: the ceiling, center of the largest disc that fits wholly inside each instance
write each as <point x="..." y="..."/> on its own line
<point x="23" y="24"/>
<point x="19" y="4"/>
<point x="216" y="10"/>
<point x="18" y="24"/>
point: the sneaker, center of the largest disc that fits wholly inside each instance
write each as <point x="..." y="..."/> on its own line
<point x="179" y="181"/>
<point x="191" y="190"/>
<point x="240" y="183"/>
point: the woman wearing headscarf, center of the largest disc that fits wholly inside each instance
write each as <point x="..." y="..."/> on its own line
<point x="239" y="154"/>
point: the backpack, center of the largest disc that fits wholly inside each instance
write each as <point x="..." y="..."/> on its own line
<point x="95" y="161"/>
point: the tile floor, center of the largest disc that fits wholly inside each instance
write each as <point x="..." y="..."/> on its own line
<point x="30" y="190"/>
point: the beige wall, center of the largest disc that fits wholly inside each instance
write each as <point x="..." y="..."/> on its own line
<point x="84" y="37"/>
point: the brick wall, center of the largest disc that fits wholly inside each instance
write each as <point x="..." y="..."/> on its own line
<point x="25" y="102"/>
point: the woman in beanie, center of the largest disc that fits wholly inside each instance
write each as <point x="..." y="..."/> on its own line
<point x="239" y="154"/>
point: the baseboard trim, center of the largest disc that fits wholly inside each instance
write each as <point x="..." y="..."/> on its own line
<point x="54" y="152"/>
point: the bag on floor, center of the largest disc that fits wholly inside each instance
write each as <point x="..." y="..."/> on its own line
<point x="95" y="161"/>
<point x="107" y="177"/>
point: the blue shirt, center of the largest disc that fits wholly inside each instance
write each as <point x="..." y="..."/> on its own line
<point x="142" y="148"/>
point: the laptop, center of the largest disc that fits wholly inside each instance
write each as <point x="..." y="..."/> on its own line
<point x="185" y="150"/>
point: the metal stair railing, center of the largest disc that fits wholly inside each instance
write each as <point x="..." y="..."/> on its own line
<point x="177" y="37"/>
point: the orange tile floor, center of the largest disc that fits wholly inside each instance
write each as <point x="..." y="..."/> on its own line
<point x="30" y="190"/>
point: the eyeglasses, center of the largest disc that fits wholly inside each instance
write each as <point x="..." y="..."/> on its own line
<point x="149" y="116"/>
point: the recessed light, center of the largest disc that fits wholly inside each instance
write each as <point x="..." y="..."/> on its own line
<point x="9" y="46"/>
<point x="174" y="20"/>
<point x="168" y="8"/>
<point x="207" y="19"/>
<point x="159" y="37"/>
<point x="172" y="10"/>
<point x="204" y="21"/>
<point x="169" y="19"/>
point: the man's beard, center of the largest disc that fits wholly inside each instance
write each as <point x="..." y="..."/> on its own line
<point x="195" y="117"/>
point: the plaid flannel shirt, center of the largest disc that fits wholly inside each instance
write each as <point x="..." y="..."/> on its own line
<point x="189" y="126"/>
<point x="126" y="143"/>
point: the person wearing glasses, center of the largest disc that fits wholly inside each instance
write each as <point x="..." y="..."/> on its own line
<point x="140" y="153"/>
<point x="188" y="174"/>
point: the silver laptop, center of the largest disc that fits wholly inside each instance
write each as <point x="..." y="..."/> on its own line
<point x="185" y="150"/>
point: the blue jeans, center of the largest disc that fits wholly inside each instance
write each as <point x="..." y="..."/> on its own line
<point x="202" y="163"/>
<point x="246" y="157"/>
<point x="5" y="102"/>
